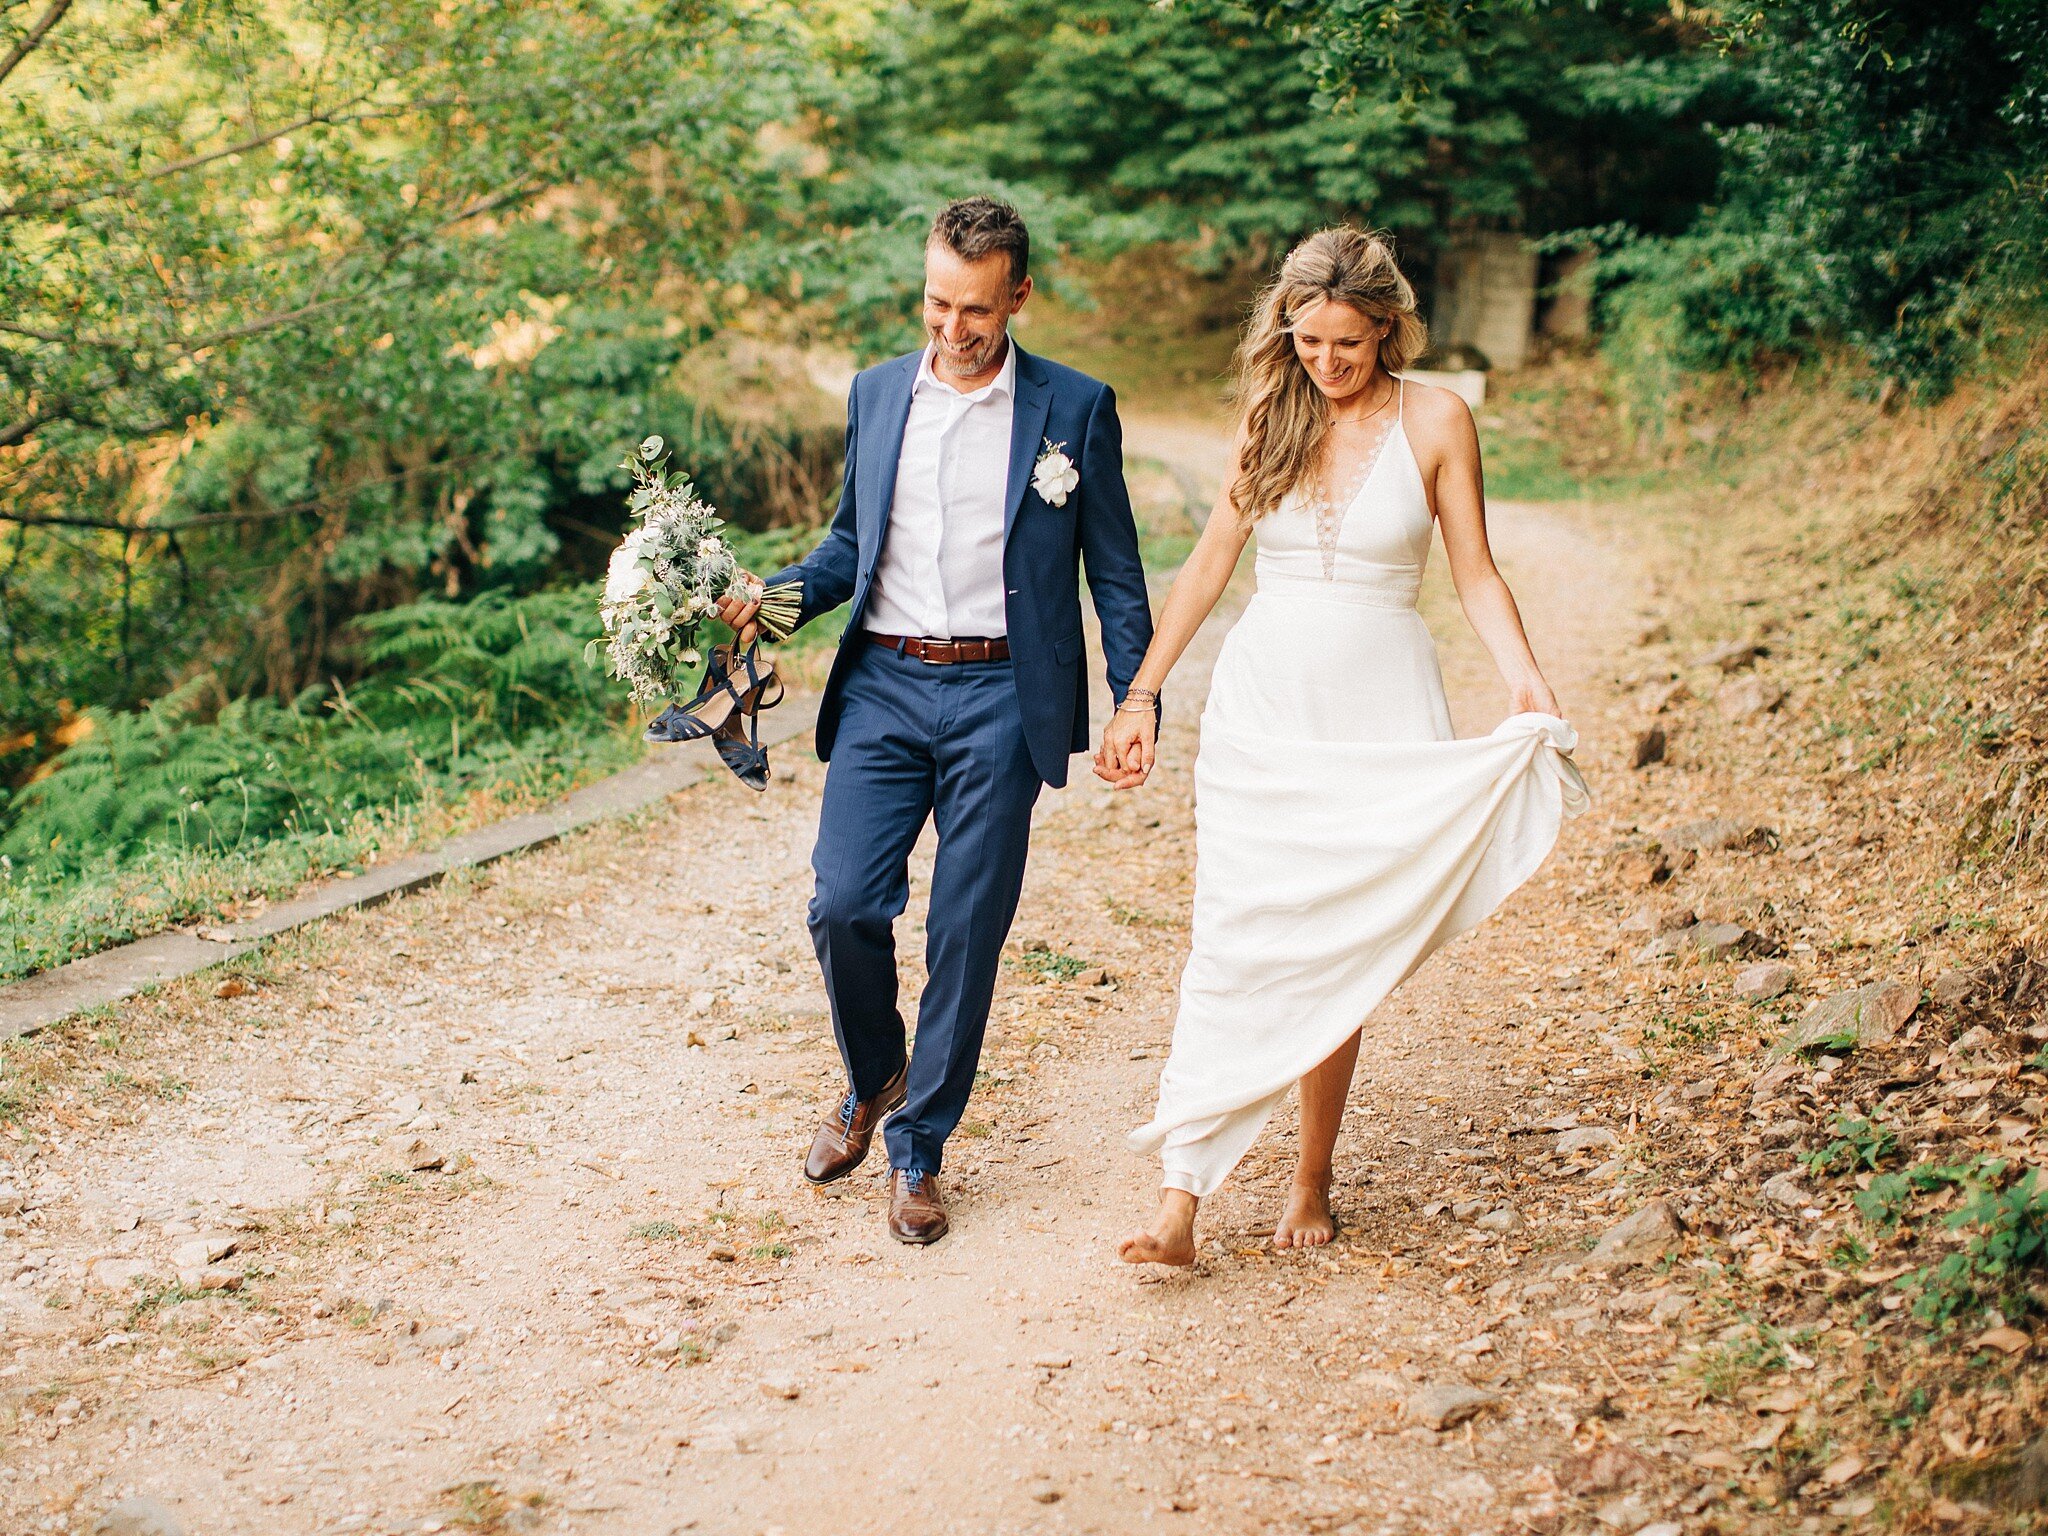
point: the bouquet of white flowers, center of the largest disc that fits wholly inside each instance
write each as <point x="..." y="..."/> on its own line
<point x="667" y="578"/>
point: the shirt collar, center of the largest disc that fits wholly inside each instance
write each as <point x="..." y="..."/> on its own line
<point x="1004" y="383"/>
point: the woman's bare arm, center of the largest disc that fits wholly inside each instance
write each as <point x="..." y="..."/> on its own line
<point x="1452" y="473"/>
<point x="1129" y="740"/>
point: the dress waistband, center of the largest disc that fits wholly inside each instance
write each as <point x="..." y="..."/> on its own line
<point x="1375" y="587"/>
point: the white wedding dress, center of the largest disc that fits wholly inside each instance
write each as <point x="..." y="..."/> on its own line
<point x="1342" y="833"/>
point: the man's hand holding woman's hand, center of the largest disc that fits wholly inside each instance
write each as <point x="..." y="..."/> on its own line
<point x="1129" y="748"/>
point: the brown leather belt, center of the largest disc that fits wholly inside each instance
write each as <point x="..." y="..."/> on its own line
<point x="945" y="652"/>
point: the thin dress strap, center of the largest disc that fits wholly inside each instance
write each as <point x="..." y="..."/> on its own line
<point x="1400" y="398"/>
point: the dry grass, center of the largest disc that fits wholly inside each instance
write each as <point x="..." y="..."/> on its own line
<point x="1894" y="567"/>
<point x="1891" y="567"/>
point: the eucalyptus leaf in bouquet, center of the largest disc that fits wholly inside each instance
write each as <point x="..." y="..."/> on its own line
<point x="667" y="577"/>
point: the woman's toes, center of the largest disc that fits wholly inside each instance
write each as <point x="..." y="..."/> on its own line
<point x="1305" y="1223"/>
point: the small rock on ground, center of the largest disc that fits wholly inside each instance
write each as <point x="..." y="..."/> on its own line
<point x="1731" y="657"/>
<point x="1765" y="980"/>
<point x="1445" y="1406"/>
<point x="1643" y="1238"/>
<point x="139" y="1515"/>
<point x="1866" y="1017"/>
<point x="1718" y="834"/>
<point x="1748" y="696"/>
<point x="1585" y="1138"/>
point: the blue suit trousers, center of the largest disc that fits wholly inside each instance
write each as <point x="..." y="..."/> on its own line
<point x="920" y="742"/>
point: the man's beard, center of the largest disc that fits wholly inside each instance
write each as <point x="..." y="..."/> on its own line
<point x="972" y="361"/>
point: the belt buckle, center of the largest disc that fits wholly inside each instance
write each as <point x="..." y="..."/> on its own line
<point x="938" y="653"/>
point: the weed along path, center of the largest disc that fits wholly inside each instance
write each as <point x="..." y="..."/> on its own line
<point x="482" y="1210"/>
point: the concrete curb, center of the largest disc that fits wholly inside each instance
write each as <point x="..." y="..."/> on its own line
<point x="42" y="1000"/>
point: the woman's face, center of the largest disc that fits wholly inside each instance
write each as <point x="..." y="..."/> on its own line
<point x="1339" y="347"/>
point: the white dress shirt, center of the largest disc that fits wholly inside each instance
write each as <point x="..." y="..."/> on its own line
<point x="941" y="571"/>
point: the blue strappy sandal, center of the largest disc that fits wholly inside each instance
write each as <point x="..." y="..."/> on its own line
<point x="725" y="711"/>
<point x="738" y="740"/>
<point x="680" y="722"/>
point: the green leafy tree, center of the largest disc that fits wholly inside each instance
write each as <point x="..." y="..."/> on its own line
<point x="1882" y="180"/>
<point x="1232" y="129"/>
<point x="1900" y="180"/>
<point x="1193" y="114"/>
<point x="1578" y="114"/>
<point x="309" y="307"/>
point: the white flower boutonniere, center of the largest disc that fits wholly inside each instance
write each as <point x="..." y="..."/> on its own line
<point x="1054" y="475"/>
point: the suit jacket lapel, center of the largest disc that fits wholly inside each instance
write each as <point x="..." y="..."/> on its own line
<point x="884" y="446"/>
<point x="1027" y="428"/>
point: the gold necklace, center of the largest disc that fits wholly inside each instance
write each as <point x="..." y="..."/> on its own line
<point x="1359" y="421"/>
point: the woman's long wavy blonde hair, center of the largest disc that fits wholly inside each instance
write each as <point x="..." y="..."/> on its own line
<point x="1286" y="419"/>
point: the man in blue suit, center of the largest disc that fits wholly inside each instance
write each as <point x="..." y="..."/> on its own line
<point x="979" y="479"/>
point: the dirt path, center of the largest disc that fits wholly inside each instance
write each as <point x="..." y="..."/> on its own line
<point x="615" y="1307"/>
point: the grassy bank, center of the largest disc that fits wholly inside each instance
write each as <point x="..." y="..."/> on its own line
<point x="204" y="806"/>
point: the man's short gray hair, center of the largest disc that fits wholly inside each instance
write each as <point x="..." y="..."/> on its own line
<point x="974" y="227"/>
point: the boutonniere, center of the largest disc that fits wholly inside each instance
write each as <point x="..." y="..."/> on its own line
<point x="1054" y="474"/>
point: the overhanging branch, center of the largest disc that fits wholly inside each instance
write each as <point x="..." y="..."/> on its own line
<point x="339" y="113"/>
<point x="313" y="504"/>
<point x="19" y="431"/>
<point x="34" y="37"/>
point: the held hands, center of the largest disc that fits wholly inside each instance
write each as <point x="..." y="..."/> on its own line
<point x="1129" y="748"/>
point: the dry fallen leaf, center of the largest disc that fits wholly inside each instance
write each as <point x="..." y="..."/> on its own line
<point x="1718" y="1461"/>
<point x="1784" y="1400"/>
<point x="1843" y="1469"/>
<point x="1768" y="1436"/>
<point x="2011" y="1340"/>
<point x="234" y="986"/>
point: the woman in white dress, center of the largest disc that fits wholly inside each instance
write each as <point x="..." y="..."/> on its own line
<point x="1342" y="834"/>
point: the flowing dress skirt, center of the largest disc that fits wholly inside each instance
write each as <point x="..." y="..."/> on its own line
<point x="1342" y="835"/>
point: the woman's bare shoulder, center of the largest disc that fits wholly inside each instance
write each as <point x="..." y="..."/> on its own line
<point x="1434" y="404"/>
<point x="1440" y="427"/>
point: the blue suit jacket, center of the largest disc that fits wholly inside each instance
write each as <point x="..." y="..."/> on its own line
<point x="1043" y="547"/>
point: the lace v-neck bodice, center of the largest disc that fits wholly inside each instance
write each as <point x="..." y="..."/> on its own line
<point x="1329" y="512"/>
<point x="1371" y="549"/>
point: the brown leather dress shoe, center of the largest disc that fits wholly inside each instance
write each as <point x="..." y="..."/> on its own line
<point x="916" y="1213"/>
<point x="843" y="1140"/>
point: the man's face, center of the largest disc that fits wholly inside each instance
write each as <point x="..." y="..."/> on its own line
<point x="967" y="308"/>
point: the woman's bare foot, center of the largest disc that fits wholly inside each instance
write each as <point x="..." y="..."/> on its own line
<point x="1306" y="1223"/>
<point x="1168" y="1238"/>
